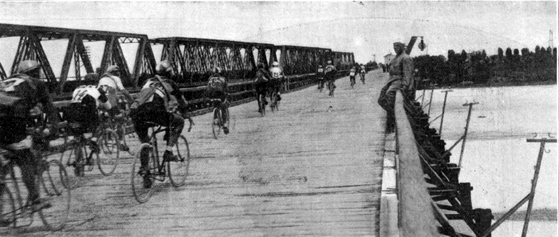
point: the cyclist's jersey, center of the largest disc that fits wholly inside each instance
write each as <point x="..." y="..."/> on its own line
<point x="19" y="94"/>
<point x="82" y="91"/>
<point x="329" y="70"/>
<point x="262" y="76"/>
<point x="217" y="83"/>
<point x="320" y="71"/>
<point x="159" y="89"/>
<point x="276" y="72"/>
<point x="352" y="72"/>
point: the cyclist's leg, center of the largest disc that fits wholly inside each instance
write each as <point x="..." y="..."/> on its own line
<point x="28" y="163"/>
<point x="175" y="124"/>
<point x="140" y="120"/>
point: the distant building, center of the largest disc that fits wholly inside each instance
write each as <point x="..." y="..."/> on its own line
<point x="388" y="58"/>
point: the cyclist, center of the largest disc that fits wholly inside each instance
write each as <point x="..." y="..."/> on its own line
<point x="362" y="73"/>
<point x="157" y="103"/>
<point x="111" y="82"/>
<point x="261" y="84"/>
<point x="329" y="73"/>
<point x="352" y="73"/>
<point x="82" y="111"/>
<point x="23" y="99"/>
<point x="217" y="89"/>
<point x="275" y="83"/>
<point x="320" y="75"/>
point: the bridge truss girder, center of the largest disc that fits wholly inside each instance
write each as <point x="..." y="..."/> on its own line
<point x="194" y="58"/>
<point x="30" y="47"/>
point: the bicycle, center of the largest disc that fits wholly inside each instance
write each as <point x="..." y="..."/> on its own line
<point x="177" y="170"/>
<point x="363" y="78"/>
<point x="217" y="120"/>
<point x="320" y="84"/>
<point x="106" y="151"/>
<point x="331" y="88"/>
<point x="274" y="97"/>
<point x="352" y="81"/>
<point x="53" y="192"/>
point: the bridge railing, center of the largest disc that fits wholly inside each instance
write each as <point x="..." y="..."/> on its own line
<point x="415" y="217"/>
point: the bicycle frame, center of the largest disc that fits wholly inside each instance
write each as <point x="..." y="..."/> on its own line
<point x="160" y="166"/>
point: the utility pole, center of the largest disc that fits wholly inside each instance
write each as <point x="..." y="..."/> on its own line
<point x="551" y="39"/>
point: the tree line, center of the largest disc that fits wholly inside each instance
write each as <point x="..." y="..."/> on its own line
<point x="506" y="67"/>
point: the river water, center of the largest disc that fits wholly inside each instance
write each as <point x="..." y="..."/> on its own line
<point x="497" y="160"/>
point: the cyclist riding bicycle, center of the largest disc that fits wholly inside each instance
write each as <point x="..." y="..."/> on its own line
<point x="320" y="75"/>
<point x="277" y="79"/>
<point x="217" y="89"/>
<point x="23" y="98"/>
<point x="156" y="103"/>
<point x="329" y="73"/>
<point x="261" y="84"/>
<point x="352" y="73"/>
<point x="362" y="73"/>
<point x="82" y="114"/>
<point x="111" y="83"/>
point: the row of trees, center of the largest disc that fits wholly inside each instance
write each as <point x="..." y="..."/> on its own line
<point x="509" y="66"/>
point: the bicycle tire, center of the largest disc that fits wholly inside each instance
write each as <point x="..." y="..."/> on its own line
<point x="216" y="128"/>
<point x="8" y="207"/>
<point x="73" y="181"/>
<point x="109" y="152"/>
<point x="121" y="132"/>
<point x="53" y="190"/>
<point x="178" y="170"/>
<point x="262" y="105"/>
<point x="142" y="193"/>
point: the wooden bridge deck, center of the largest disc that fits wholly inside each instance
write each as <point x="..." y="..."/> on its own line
<point x="311" y="169"/>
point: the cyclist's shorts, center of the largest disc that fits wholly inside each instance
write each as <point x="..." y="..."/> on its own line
<point x="82" y="117"/>
<point x="274" y="84"/>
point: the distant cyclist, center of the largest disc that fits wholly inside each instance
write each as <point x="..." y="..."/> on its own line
<point x="352" y="73"/>
<point x="362" y="74"/>
<point x="277" y="79"/>
<point x="320" y="76"/>
<point x="156" y="103"/>
<point x="261" y="84"/>
<point x="329" y="73"/>
<point x="217" y="89"/>
<point x="23" y="99"/>
<point x="111" y="82"/>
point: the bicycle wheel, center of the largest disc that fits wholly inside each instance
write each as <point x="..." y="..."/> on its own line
<point x="262" y="105"/>
<point x="142" y="182"/>
<point x="216" y="123"/>
<point x="53" y="191"/>
<point x="109" y="152"/>
<point x="273" y="103"/>
<point x="68" y="159"/>
<point x="7" y="208"/>
<point x="178" y="170"/>
<point x="121" y="132"/>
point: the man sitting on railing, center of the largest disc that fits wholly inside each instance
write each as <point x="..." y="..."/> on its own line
<point x="217" y="90"/>
<point x="23" y="98"/>
<point x="157" y="103"/>
<point x="401" y="78"/>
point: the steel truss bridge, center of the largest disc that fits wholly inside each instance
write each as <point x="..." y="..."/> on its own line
<point x="88" y="53"/>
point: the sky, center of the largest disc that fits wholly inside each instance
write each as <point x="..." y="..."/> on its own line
<point x="366" y="28"/>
